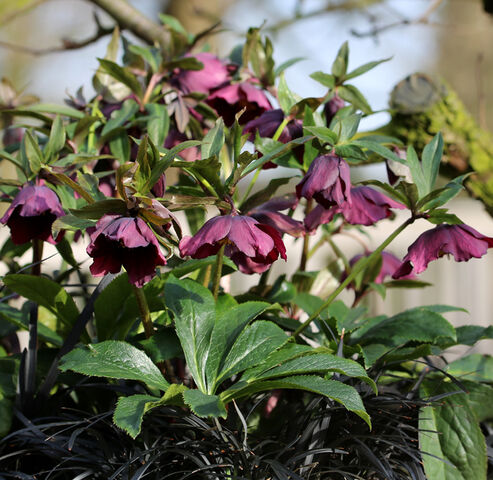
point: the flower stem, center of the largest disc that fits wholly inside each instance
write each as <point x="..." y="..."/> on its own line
<point x="37" y="255"/>
<point x="358" y="268"/>
<point x="306" y="239"/>
<point x="218" y="271"/>
<point x="145" y="314"/>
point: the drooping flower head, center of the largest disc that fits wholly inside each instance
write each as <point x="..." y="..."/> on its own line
<point x="32" y="214"/>
<point x="269" y="213"/>
<point x="125" y="241"/>
<point x="390" y="264"/>
<point x="368" y="206"/>
<point x="229" y="100"/>
<point x="461" y="241"/>
<point x="327" y="181"/>
<point x="252" y="246"/>
<point x="332" y="107"/>
<point x="213" y="75"/>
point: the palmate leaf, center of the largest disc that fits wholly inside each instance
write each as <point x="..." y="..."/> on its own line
<point x="114" y="359"/>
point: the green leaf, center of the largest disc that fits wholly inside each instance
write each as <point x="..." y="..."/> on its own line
<point x="157" y="123"/>
<point x="347" y="127"/>
<point x="46" y="293"/>
<point x="114" y="359"/>
<point x="323" y="133"/>
<point x="173" y="23"/>
<point x="163" y="345"/>
<point x="51" y="108"/>
<point x="194" y="314"/>
<point x="431" y="158"/>
<point x="130" y="411"/>
<point x="56" y="140"/>
<point x="286" y="97"/>
<point x="122" y="75"/>
<point x="213" y="141"/>
<point x="377" y="148"/>
<point x="476" y="367"/>
<point x="339" y="67"/>
<point x="285" y="65"/>
<point x="470" y="334"/>
<point x="417" y="172"/>
<point x="440" y="216"/>
<point x="119" y="117"/>
<point x="364" y="68"/>
<point x="325" y="79"/>
<point x="94" y="211"/>
<point x="353" y="96"/>
<point x="352" y="153"/>
<point x="33" y="152"/>
<point x="151" y="55"/>
<point x="450" y="439"/>
<point x="205" y="405"/>
<point x="252" y="346"/>
<point x="479" y="397"/>
<point x="228" y="326"/>
<point x="440" y="196"/>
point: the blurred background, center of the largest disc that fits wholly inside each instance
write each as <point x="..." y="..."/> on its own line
<point x="449" y="38"/>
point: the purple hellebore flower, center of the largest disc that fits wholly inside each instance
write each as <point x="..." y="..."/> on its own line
<point x="332" y="107"/>
<point x="213" y="75"/>
<point x="319" y="216"/>
<point x="269" y="214"/>
<point x="327" y="181"/>
<point x="32" y="214"/>
<point x="229" y="100"/>
<point x="368" y="206"/>
<point x="390" y="264"/>
<point x="461" y="241"/>
<point x="251" y="245"/>
<point x="125" y="241"/>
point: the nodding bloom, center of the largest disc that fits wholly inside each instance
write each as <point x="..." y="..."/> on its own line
<point x="461" y="241"/>
<point x="229" y="100"/>
<point x="269" y="213"/>
<point x="125" y="241"/>
<point x="390" y="264"/>
<point x="213" y="75"/>
<point x="327" y="181"/>
<point x="252" y="246"/>
<point x="332" y="107"/>
<point x="32" y="213"/>
<point x="368" y="206"/>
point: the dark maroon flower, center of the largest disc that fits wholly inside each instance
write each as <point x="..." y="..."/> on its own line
<point x="125" y="241"/>
<point x="390" y="264"/>
<point x="251" y="245"/>
<point x="332" y="107"/>
<point x="269" y="213"/>
<point x="229" y="100"/>
<point x="368" y="206"/>
<point x="319" y="216"/>
<point x="461" y="241"/>
<point x="32" y="214"/>
<point x="213" y="75"/>
<point x="327" y="181"/>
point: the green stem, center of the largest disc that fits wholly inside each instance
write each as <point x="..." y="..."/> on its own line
<point x="37" y="255"/>
<point x="280" y="128"/>
<point x="218" y="271"/>
<point x="339" y="253"/>
<point x="306" y="239"/>
<point x="145" y="314"/>
<point x="358" y="268"/>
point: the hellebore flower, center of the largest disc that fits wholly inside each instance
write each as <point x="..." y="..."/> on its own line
<point x="368" y="206"/>
<point x="267" y="124"/>
<point x="319" y="216"/>
<point x="327" y="181"/>
<point x="125" y="241"/>
<point x="213" y="75"/>
<point x="269" y="214"/>
<point x="252" y="246"/>
<point x="390" y="264"/>
<point x="461" y="241"/>
<point x="229" y="100"/>
<point x="332" y="107"/>
<point x="32" y="214"/>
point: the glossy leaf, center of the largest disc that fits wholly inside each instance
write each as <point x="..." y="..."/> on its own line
<point x="205" y="405"/>
<point x="213" y="141"/>
<point x="339" y="67"/>
<point x="56" y="140"/>
<point x="114" y="359"/>
<point x="286" y="97"/>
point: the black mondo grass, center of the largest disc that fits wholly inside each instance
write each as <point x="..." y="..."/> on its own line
<point x="320" y="441"/>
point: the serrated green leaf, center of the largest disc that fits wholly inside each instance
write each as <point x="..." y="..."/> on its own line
<point x="252" y="346"/>
<point x="205" y="405"/>
<point x="346" y="127"/>
<point x="339" y="67"/>
<point x="56" y="140"/>
<point x="479" y="397"/>
<point x="352" y="95"/>
<point x="476" y="367"/>
<point x="46" y="293"/>
<point x="194" y="314"/>
<point x="286" y="97"/>
<point x="322" y="133"/>
<point x="325" y="79"/>
<point x="213" y="141"/>
<point x="114" y="359"/>
<point x="450" y="439"/>
<point x="470" y="334"/>
<point x="94" y="211"/>
<point x="228" y="326"/>
<point x="440" y="215"/>
<point x="352" y="153"/>
<point x="130" y="411"/>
